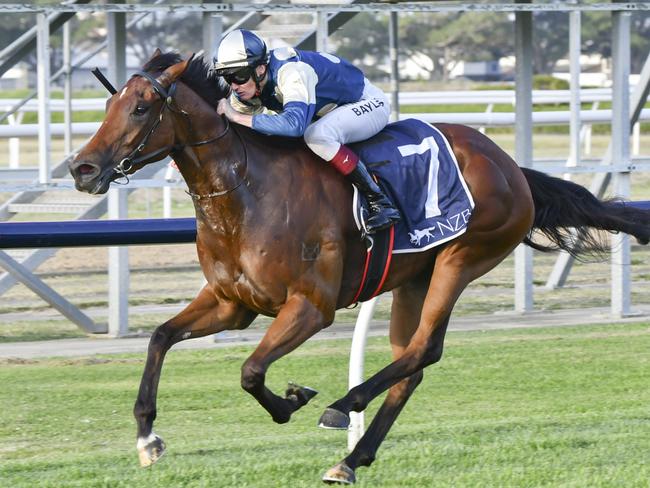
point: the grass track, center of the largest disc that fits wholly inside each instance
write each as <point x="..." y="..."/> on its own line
<point x="544" y="407"/>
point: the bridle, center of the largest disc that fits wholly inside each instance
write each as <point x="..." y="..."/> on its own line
<point x="134" y="157"/>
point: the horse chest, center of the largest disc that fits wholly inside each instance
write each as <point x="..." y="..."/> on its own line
<point x="248" y="292"/>
<point x="246" y="285"/>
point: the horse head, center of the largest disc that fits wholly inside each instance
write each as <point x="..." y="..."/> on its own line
<point x="135" y="131"/>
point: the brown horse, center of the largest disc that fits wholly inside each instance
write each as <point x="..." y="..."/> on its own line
<point x="260" y="201"/>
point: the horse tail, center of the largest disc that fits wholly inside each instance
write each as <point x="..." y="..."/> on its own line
<point x="570" y="216"/>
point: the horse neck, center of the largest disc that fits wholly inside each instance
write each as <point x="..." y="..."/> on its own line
<point x="234" y="172"/>
<point x="214" y="167"/>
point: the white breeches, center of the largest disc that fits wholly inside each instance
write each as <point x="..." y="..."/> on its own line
<point x="353" y="122"/>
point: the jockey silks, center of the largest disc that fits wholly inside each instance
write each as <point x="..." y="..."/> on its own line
<point x="319" y="96"/>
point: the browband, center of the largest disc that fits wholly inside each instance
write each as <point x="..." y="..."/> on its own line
<point x="158" y="88"/>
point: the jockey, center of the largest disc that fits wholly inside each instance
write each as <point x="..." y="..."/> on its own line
<point x="319" y="96"/>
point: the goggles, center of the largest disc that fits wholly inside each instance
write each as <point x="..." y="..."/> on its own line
<point x="239" y="77"/>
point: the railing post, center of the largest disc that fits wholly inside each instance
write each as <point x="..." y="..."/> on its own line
<point x="67" y="89"/>
<point x="523" y="145"/>
<point x="355" y="375"/>
<point x="574" y="105"/>
<point x="621" y="255"/>
<point x="212" y="32"/>
<point x="322" y="31"/>
<point x="118" y="270"/>
<point x="118" y="256"/>
<point x="393" y="40"/>
<point x="43" y="83"/>
<point x="14" y="142"/>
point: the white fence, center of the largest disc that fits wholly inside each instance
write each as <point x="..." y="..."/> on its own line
<point x="15" y="129"/>
<point x="447" y="97"/>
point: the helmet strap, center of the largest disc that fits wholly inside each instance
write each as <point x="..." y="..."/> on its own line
<point x="258" y="79"/>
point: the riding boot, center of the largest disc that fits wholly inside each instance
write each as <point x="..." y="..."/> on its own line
<point x="382" y="212"/>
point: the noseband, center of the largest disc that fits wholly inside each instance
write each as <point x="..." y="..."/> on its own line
<point x="126" y="164"/>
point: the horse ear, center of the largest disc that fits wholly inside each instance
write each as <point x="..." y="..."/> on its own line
<point x="155" y="54"/>
<point x="174" y="72"/>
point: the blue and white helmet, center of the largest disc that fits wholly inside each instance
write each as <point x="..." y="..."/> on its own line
<point x="238" y="49"/>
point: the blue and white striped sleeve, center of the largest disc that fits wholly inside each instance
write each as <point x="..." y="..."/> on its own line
<point x="297" y="86"/>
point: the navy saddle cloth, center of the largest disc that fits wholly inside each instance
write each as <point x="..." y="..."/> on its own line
<point x="413" y="163"/>
<point x="415" y="166"/>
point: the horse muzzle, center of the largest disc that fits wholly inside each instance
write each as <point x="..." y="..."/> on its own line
<point x="89" y="177"/>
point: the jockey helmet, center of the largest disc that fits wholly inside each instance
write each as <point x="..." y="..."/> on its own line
<point x="239" y="49"/>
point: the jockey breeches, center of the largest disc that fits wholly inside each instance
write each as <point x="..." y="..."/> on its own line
<point x="352" y="122"/>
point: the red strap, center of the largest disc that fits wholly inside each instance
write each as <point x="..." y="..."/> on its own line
<point x="366" y="267"/>
<point x="388" y="260"/>
<point x="345" y="160"/>
<point x="363" y="277"/>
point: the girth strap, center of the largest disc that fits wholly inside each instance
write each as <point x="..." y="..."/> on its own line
<point x="379" y="254"/>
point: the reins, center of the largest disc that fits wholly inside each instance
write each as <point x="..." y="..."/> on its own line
<point x="197" y="196"/>
<point x="127" y="163"/>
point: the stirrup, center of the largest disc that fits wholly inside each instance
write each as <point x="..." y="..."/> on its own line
<point x="385" y="221"/>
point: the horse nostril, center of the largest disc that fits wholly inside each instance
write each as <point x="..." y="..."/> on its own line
<point x="84" y="169"/>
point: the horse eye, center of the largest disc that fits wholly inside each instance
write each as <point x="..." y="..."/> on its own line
<point x="140" y="110"/>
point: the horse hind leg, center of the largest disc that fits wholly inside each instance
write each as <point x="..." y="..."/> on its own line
<point x="405" y="313"/>
<point x="456" y="266"/>
<point x="205" y="315"/>
<point x="365" y="451"/>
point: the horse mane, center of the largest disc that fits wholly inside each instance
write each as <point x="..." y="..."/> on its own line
<point x="198" y="76"/>
<point x="210" y="87"/>
<point x="279" y="142"/>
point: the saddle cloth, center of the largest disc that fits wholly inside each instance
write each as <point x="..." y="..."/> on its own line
<point x="414" y="164"/>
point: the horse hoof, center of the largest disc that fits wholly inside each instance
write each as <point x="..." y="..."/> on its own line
<point x="300" y="394"/>
<point x="333" y="419"/>
<point x="150" y="449"/>
<point x="340" y="474"/>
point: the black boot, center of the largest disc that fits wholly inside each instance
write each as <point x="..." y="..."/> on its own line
<point x="382" y="212"/>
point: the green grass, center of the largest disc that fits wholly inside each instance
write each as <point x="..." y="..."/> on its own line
<point x="55" y="93"/>
<point x="57" y="117"/>
<point x="546" y="407"/>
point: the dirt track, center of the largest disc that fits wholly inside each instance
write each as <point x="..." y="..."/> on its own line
<point x="96" y="258"/>
<point x="26" y="351"/>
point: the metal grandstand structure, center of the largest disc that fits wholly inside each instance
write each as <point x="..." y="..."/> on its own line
<point x="330" y="17"/>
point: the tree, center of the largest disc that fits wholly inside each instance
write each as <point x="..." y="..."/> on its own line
<point x="550" y="40"/>
<point x="597" y="36"/>
<point x="452" y="37"/>
<point x="13" y="25"/>
<point x="177" y="31"/>
<point x="640" y="40"/>
<point x="364" y="41"/>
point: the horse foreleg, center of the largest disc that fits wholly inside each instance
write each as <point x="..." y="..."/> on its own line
<point x="297" y="321"/>
<point x="406" y="307"/>
<point x="205" y="315"/>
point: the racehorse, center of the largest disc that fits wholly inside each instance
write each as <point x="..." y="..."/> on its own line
<point x="261" y="201"/>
